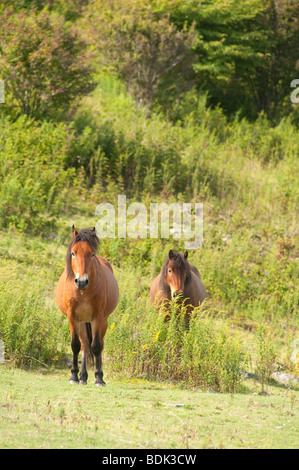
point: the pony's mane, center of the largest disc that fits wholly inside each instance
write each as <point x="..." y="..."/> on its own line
<point x="85" y="235"/>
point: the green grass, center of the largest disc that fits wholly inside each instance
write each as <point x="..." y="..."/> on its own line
<point x="39" y="409"/>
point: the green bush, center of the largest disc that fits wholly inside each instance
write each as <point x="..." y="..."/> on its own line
<point x="139" y="154"/>
<point x="43" y="63"/>
<point x="151" y="56"/>
<point x="34" y="183"/>
<point x="266" y="357"/>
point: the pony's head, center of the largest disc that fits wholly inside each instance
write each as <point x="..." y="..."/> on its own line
<point x="177" y="273"/>
<point x="81" y="256"/>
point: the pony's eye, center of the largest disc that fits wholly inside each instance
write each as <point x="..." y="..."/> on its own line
<point x="92" y="255"/>
<point x="73" y="254"/>
<point x="169" y="270"/>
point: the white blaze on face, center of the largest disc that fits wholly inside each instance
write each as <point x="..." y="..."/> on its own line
<point x="81" y="281"/>
<point x="81" y="278"/>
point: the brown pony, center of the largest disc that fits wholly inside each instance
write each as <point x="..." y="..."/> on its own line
<point x="87" y="292"/>
<point x="180" y="280"/>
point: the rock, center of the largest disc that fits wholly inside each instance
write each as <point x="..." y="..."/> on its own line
<point x="284" y="378"/>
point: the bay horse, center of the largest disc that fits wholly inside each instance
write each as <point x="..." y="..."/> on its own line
<point x="180" y="280"/>
<point x="87" y="292"/>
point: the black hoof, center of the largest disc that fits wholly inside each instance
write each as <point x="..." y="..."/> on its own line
<point x="83" y="382"/>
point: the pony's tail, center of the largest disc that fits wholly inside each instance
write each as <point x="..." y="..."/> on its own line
<point x="89" y="337"/>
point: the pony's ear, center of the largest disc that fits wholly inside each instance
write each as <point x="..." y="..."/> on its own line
<point x="171" y="254"/>
<point x="94" y="231"/>
<point x="74" y="231"/>
<point x="186" y="254"/>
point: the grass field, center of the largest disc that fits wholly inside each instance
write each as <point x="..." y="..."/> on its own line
<point x="39" y="409"/>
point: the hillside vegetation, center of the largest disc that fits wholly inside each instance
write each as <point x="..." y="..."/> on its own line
<point x="161" y="101"/>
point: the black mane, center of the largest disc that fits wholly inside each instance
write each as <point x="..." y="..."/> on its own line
<point x="85" y="235"/>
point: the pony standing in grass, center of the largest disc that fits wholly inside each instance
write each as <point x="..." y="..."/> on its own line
<point x="179" y="280"/>
<point x="87" y="292"/>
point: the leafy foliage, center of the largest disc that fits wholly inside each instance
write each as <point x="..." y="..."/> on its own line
<point x="245" y="55"/>
<point x="266" y="357"/>
<point x="43" y="63"/>
<point x="34" y="183"/>
<point x="149" y="54"/>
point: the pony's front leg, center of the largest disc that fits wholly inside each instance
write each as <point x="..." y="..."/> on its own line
<point x="85" y="345"/>
<point x="83" y="373"/>
<point x="76" y="346"/>
<point x="96" y="348"/>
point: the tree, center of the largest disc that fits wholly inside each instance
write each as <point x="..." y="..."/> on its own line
<point x="247" y="52"/>
<point x="270" y="82"/>
<point x="45" y="66"/>
<point x="148" y="52"/>
<point x="70" y="9"/>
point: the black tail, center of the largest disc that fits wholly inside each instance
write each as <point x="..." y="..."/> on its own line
<point x="89" y="336"/>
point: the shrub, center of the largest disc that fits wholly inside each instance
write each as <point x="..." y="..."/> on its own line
<point x="266" y="357"/>
<point x="117" y="143"/>
<point x="34" y="185"/>
<point x="44" y="64"/>
<point x="151" y="56"/>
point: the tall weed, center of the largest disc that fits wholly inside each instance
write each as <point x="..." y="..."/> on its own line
<point x="141" y="342"/>
<point x="32" y="330"/>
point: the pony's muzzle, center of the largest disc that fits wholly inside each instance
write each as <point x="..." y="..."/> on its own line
<point x="81" y="282"/>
